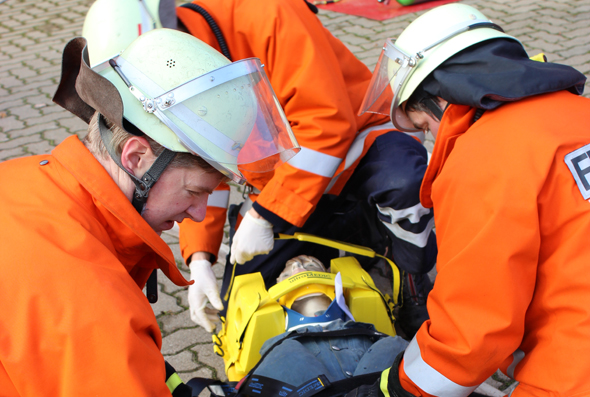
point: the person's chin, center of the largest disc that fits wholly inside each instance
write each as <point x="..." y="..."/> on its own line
<point x="162" y="227"/>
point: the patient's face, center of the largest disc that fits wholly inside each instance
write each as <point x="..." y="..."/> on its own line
<point x="301" y="263"/>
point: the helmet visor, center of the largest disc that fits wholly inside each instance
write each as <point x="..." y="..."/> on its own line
<point x="230" y="116"/>
<point x="392" y="70"/>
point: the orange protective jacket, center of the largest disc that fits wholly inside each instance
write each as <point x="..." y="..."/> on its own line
<point x="320" y="85"/>
<point x="75" y="256"/>
<point x="513" y="228"/>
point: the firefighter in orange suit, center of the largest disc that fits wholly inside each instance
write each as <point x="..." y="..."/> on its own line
<point x="320" y="84"/>
<point x="509" y="181"/>
<point x="345" y="159"/>
<point x="81" y="226"/>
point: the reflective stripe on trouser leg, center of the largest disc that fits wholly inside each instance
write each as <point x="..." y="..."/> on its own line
<point x="413" y="215"/>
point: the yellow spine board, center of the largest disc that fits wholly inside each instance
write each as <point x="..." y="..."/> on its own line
<point x="254" y="314"/>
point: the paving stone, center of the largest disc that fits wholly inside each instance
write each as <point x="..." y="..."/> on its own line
<point x="15" y="62"/>
<point x="182" y="361"/>
<point x="11" y="153"/>
<point x="170" y="238"/>
<point x="25" y="111"/>
<point x="23" y="72"/>
<point x="548" y="48"/>
<point x="37" y="63"/>
<point x="73" y="124"/>
<point x="166" y="303"/>
<point x="11" y="23"/>
<point x="48" y="118"/>
<point x="10" y="82"/>
<point x="49" y="90"/>
<point x="574" y="51"/>
<point x="184" y="338"/>
<point x="10" y="123"/>
<point x="360" y="31"/>
<point x="168" y="286"/>
<point x="42" y="147"/>
<point x="174" y="321"/>
<point x="34" y="129"/>
<point x="56" y="136"/>
<point x="206" y="355"/>
<point x="575" y="33"/>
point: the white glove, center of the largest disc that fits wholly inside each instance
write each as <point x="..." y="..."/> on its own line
<point x="253" y="237"/>
<point x="204" y="289"/>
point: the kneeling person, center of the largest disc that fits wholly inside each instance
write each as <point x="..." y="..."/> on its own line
<point x="169" y="119"/>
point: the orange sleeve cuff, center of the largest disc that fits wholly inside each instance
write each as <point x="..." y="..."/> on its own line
<point x="282" y="202"/>
<point x="205" y="236"/>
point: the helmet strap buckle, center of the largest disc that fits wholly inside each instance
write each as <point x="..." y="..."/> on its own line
<point x="145" y="183"/>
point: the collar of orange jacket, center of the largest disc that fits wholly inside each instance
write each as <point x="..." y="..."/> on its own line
<point x="114" y="205"/>
<point x="455" y="122"/>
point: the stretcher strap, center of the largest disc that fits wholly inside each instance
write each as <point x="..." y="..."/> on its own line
<point x="244" y="387"/>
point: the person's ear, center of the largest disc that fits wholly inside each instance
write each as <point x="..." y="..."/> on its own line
<point x="137" y="155"/>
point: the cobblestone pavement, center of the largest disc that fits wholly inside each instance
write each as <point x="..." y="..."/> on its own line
<point x="34" y="32"/>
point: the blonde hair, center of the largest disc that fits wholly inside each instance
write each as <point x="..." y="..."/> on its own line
<point x="96" y="146"/>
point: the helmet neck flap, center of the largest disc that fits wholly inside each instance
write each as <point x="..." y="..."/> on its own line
<point x="493" y="72"/>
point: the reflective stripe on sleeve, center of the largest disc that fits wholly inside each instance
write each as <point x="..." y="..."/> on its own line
<point x="429" y="379"/>
<point x="173" y="382"/>
<point x="315" y="162"/>
<point x="246" y="206"/>
<point x="356" y="149"/>
<point x="219" y="198"/>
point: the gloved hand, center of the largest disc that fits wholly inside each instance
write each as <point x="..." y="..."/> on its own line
<point x="204" y="289"/>
<point x="253" y="237"/>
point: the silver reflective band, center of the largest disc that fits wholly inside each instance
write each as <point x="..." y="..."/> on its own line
<point x="315" y="162"/>
<point x="207" y="81"/>
<point x="219" y="198"/>
<point x="429" y="379"/>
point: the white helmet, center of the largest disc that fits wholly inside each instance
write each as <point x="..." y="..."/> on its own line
<point x="189" y="98"/>
<point x="111" y="25"/>
<point x="425" y="44"/>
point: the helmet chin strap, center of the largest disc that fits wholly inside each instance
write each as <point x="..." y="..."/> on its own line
<point x="145" y="183"/>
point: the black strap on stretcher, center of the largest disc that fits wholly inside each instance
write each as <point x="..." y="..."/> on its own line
<point x="320" y="386"/>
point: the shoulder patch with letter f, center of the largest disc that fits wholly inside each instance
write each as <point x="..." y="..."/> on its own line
<point x="578" y="162"/>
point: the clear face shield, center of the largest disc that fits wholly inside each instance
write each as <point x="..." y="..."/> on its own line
<point x="230" y="116"/>
<point x="394" y="69"/>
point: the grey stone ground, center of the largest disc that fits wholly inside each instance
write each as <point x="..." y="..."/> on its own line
<point x="34" y="32"/>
